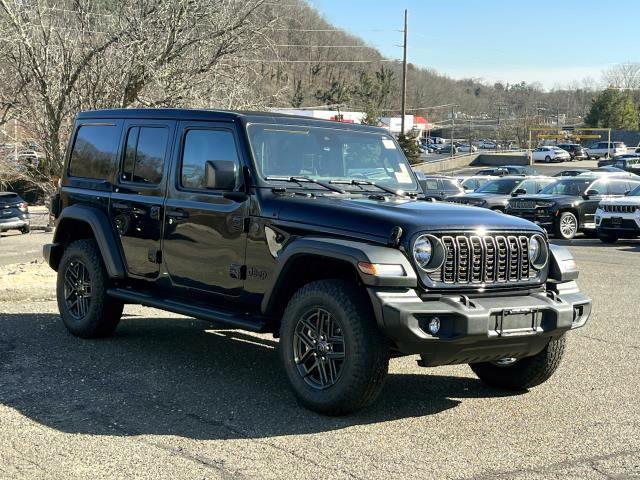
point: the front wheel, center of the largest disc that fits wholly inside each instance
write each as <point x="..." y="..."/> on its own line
<point x="333" y="352"/>
<point x="566" y="226"/>
<point x="547" y="159"/>
<point x="524" y="373"/>
<point x="25" y="230"/>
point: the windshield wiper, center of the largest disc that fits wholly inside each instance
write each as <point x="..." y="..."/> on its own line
<point x="357" y="182"/>
<point x="301" y="179"/>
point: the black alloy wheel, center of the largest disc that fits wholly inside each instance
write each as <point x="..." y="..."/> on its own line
<point x="77" y="289"/>
<point x="319" y="348"/>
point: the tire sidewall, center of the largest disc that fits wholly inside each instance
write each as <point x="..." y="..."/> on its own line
<point x="80" y="251"/>
<point x="559" y="229"/>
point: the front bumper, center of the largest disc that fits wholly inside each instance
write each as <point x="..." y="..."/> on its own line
<point x="543" y="218"/>
<point x="478" y="329"/>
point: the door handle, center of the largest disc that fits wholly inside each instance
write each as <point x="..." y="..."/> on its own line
<point x="177" y="214"/>
<point x="122" y="206"/>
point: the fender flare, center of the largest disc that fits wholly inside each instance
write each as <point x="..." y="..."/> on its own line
<point x="102" y="232"/>
<point x="562" y="266"/>
<point x="347" y="251"/>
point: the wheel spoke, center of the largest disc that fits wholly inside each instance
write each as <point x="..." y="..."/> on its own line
<point x="304" y="357"/>
<point x="324" y="379"/>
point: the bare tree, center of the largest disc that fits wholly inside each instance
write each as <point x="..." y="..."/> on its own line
<point x="625" y="76"/>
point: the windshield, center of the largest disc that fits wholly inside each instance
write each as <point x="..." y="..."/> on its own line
<point x="569" y="186"/>
<point x="635" y="192"/>
<point x="503" y="186"/>
<point x="329" y="154"/>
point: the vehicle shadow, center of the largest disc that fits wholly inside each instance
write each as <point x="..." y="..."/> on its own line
<point x="183" y="377"/>
<point x="624" y="244"/>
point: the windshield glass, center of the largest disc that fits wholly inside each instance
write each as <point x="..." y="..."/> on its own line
<point x="329" y="154"/>
<point x="503" y="186"/>
<point x="569" y="186"/>
<point x="635" y="192"/>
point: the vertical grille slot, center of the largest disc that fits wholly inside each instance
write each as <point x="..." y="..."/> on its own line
<point x="490" y="262"/>
<point x="477" y="260"/>
<point x="502" y="251"/>
<point x="514" y="259"/>
<point x="450" y="266"/>
<point x="463" y="259"/>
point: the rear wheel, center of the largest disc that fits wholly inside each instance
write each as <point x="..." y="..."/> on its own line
<point x="85" y="309"/>
<point x="547" y="159"/>
<point x="520" y="374"/>
<point x="333" y="352"/>
<point x="25" y="230"/>
<point x="566" y="226"/>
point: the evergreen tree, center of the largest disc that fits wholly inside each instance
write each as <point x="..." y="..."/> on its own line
<point x="613" y="109"/>
<point x="409" y="146"/>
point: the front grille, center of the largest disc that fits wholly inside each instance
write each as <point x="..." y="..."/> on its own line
<point x="488" y="259"/>
<point x="620" y="208"/>
<point x="523" y="204"/>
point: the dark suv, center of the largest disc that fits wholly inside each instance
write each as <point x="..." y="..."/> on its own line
<point x="438" y="187"/>
<point x="575" y="150"/>
<point x="310" y="230"/>
<point x="14" y="213"/>
<point x="568" y="206"/>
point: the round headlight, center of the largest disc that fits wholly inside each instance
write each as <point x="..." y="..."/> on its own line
<point x="422" y="251"/>
<point x="538" y="252"/>
<point x="534" y="250"/>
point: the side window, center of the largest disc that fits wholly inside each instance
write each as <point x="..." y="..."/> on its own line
<point x="94" y="151"/>
<point x="200" y="146"/>
<point x="528" y="185"/>
<point x="617" y="188"/>
<point x="431" y="184"/>
<point x="144" y="155"/>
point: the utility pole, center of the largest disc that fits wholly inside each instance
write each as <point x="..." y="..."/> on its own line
<point x="404" y="74"/>
<point x="453" y="127"/>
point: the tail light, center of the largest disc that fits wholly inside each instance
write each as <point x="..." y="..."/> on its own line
<point x="22" y="206"/>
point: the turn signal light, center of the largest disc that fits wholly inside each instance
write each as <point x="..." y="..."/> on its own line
<point x="381" y="269"/>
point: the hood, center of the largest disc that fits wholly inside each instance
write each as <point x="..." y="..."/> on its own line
<point x="561" y="199"/>
<point x="363" y="215"/>
<point x="635" y="200"/>
<point x="490" y="198"/>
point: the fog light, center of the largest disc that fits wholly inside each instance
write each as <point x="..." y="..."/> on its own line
<point x="434" y="325"/>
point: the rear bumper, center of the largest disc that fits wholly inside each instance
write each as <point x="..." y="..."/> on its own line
<point x="14" y="222"/>
<point x="479" y="329"/>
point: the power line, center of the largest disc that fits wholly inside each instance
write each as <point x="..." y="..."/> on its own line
<point x="247" y="60"/>
<point x="325" y="46"/>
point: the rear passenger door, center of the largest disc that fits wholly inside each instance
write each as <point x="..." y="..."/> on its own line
<point x="136" y="206"/>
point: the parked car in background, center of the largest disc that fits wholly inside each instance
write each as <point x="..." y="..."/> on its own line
<point x="606" y="162"/>
<point x="438" y="187"/>
<point x="488" y="145"/>
<point x="469" y="184"/>
<point x="628" y="163"/>
<point x="447" y="149"/>
<point x="575" y="150"/>
<point x="507" y="170"/>
<point x="606" y="149"/>
<point x="611" y="172"/>
<point x="14" y="213"/>
<point x="568" y="206"/>
<point x="496" y="193"/>
<point x="619" y="217"/>
<point x="465" y="148"/>
<point x="550" y="154"/>
<point x="573" y="172"/>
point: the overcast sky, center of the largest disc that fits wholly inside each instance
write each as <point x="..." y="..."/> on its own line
<point x="554" y="42"/>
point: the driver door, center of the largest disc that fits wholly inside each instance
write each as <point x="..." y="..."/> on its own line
<point x="204" y="237"/>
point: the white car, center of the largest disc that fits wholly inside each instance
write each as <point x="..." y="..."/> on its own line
<point x="606" y="149"/>
<point x="550" y="154"/>
<point x="464" y="148"/>
<point x="488" y="144"/>
<point x="619" y="217"/>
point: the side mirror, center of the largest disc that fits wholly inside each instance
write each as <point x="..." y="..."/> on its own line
<point x="221" y="174"/>
<point x="590" y="193"/>
<point x="627" y="192"/>
<point x="519" y="191"/>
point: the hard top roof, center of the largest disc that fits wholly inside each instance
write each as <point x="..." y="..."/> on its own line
<point x="243" y="117"/>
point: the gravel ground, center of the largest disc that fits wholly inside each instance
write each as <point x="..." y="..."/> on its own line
<point x="171" y="397"/>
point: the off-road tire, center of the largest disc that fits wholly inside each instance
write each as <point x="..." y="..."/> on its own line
<point x="366" y="349"/>
<point x="608" y="237"/>
<point x="558" y="226"/>
<point x="527" y="372"/>
<point x="103" y="313"/>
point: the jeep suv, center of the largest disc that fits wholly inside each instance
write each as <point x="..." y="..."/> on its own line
<point x="313" y="231"/>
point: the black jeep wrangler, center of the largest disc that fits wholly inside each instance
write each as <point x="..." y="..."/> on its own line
<point x="311" y="230"/>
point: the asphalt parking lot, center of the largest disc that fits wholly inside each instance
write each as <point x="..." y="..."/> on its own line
<point x="170" y="397"/>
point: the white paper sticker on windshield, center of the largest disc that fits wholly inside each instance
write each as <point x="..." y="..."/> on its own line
<point x="403" y="175"/>
<point x="388" y="144"/>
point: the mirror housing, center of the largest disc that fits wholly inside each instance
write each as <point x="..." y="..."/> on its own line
<point x="221" y="174"/>
<point x="590" y="193"/>
<point x="519" y="191"/>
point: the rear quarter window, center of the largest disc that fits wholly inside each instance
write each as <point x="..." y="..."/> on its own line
<point x="94" y="151"/>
